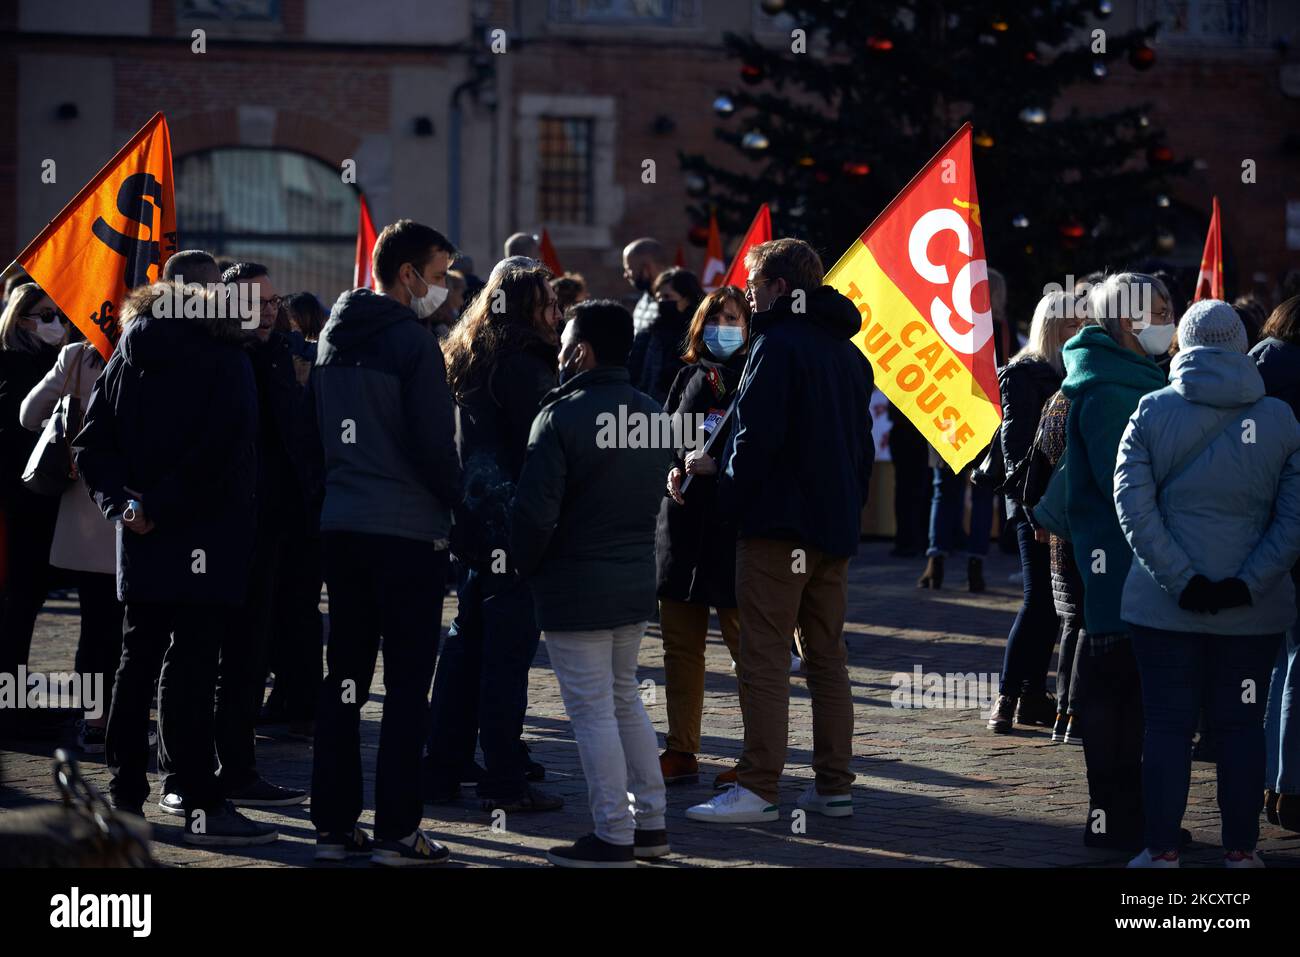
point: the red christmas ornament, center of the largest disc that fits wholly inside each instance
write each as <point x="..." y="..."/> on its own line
<point x="698" y="235"/>
<point x="1072" y="229"/>
<point x="1160" y="156"/>
<point x="880" y="44"/>
<point x="751" y="74"/>
<point x="1142" y="57"/>
<point x="856" y="169"/>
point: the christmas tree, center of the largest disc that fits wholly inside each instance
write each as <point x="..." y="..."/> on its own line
<point x="836" y="121"/>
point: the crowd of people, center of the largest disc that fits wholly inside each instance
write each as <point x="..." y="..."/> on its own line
<point x="440" y="429"/>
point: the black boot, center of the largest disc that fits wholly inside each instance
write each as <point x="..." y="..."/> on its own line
<point x="975" y="574"/>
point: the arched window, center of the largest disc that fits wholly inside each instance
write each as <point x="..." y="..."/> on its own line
<point x="290" y="212"/>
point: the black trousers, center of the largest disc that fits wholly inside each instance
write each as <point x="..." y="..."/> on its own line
<point x="241" y="678"/>
<point x="186" y="640"/>
<point x="27" y="528"/>
<point x="1108" y="706"/>
<point x="380" y="586"/>
<point x="298" y="630"/>
<point x="100" y="647"/>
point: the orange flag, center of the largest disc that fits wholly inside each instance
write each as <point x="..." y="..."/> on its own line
<point x="362" y="275"/>
<point x="115" y="235"/>
<point x="760" y="231"/>
<point x="714" y="266"/>
<point x="1209" y="284"/>
<point x="549" y="259"/>
<point x="919" y="279"/>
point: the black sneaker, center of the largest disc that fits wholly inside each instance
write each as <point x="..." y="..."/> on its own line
<point x="1036" y="708"/>
<point x="1058" y="729"/>
<point x="650" y="843"/>
<point x="341" y="846"/>
<point x="124" y="807"/>
<point x="262" y="793"/>
<point x="532" y="800"/>
<point x="591" y="851"/>
<point x="472" y="775"/>
<point x="172" y="804"/>
<point x="534" y="771"/>
<point x="421" y="853"/>
<point x="90" y="739"/>
<point x="226" y="827"/>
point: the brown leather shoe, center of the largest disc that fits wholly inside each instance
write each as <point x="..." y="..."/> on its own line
<point x="933" y="575"/>
<point x="724" y="780"/>
<point x="678" y="767"/>
<point x="1004" y="710"/>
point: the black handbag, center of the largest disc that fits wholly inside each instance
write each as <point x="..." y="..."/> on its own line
<point x="991" y="474"/>
<point x="51" y="468"/>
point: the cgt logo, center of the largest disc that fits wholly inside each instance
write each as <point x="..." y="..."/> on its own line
<point x="961" y="326"/>
<point x="75" y="910"/>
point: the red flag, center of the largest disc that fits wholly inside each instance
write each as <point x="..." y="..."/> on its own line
<point x="760" y="231"/>
<point x="680" y="259"/>
<point x="714" y="266"/>
<point x="362" y="277"/>
<point x="919" y="278"/>
<point x="551" y="261"/>
<point x="115" y="235"/>
<point x="1209" y="284"/>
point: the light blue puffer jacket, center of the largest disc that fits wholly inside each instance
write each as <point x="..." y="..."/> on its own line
<point x="1234" y="512"/>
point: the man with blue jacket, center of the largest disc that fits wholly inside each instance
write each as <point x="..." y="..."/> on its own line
<point x="795" y="480"/>
<point x="392" y="475"/>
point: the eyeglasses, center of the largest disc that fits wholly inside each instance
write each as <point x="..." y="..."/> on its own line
<point x="45" y="315"/>
<point x="275" y="303"/>
<point x="751" y="286"/>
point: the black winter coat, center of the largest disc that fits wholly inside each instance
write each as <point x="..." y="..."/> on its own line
<point x="583" y="520"/>
<point x="656" y="356"/>
<point x="1279" y="365"/>
<point x="290" y="460"/>
<point x="20" y="372"/>
<point x="799" y="465"/>
<point x="174" y="416"/>
<point x="695" y="549"/>
<point x="494" y="416"/>
<point x="1025" y="385"/>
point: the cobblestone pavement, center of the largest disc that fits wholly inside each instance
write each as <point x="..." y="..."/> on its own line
<point x="933" y="786"/>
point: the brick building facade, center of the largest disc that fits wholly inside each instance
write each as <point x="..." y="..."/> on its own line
<point x="548" y="122"/>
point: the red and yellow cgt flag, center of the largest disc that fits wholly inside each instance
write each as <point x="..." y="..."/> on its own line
<point x="1209" y="282"/>
<point x="919" y="279"/>
<point x="116" y="234"/>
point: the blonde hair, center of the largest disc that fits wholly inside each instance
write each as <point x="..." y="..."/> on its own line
<point x="1047" y="329"/>
<point x="13" y="337"/>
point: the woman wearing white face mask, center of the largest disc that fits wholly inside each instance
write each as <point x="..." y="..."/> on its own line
<point x="695" y="556"/>
<point x="31" y="330"/>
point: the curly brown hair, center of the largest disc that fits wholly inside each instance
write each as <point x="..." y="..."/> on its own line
<point x="500" y="319"/>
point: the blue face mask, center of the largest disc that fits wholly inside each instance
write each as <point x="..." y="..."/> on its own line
<point x="723" y="341"/>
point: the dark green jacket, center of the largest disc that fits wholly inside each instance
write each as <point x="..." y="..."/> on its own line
<point x="583" y="522"/>
<point x="1104" y="382"/>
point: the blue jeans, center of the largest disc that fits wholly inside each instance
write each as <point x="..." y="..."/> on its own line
<point x="1282" y="721"/>
<point x="1183" y="672"/>
<point x="1033" y="633"/>
<point x="946" y="509"/>
<point x="480" y="690"/>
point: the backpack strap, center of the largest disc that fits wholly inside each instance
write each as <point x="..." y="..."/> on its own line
<point x="1226" y="417"/>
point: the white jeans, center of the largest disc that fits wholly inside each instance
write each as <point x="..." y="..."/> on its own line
<point x="616" y="741"/>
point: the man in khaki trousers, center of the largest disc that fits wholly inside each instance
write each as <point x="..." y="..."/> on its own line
<point x="795" y="479"/>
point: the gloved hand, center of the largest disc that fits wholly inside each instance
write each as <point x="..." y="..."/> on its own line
<point x="1231" y="593"/>
<point x="1200" y="595"/>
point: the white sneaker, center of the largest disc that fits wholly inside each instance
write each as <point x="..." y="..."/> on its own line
<point x="736" y="805"/>
<point x="1240" y="859"/>
<point x="1168" y="859"/>
<point x="829" y="805"/>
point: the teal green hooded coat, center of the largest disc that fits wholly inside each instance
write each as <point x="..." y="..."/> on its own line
<point x="1104" y="382"/>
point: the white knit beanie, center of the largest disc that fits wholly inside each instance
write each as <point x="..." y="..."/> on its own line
<point x="1212" y="322"/>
